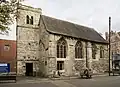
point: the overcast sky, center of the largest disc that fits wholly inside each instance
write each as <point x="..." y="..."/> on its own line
<point x="91" y="13"/>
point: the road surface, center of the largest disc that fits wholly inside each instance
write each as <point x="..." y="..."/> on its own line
<point x="104" y="81"/>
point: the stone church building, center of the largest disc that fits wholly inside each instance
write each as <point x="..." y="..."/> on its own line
<point x="46" y="44"/>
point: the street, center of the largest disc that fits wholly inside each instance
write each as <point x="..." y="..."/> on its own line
<point x="104" y="81"/>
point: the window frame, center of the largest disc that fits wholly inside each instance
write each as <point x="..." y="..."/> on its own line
<point x="31" y="20"/>
<point x="79" y="50"/>
<point x="60" y="65"/>
<point x="6" y="47"/>
<point x="27" y="20"/>
<point x="94" y="50"/>
<point x="101" y="52"/>
<point x="61" y="48"/>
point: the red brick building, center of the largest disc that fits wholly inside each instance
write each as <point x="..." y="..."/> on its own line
<point x="8" y="53"/>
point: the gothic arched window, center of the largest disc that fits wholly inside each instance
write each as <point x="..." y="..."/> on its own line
<point x="94" y="51"/>
<point x="31" y="20"/>
<point x="61" y="48"/>
<point x="101" y="52"/>
<point x="78" y="50"/>
<point x="27" y="19"/>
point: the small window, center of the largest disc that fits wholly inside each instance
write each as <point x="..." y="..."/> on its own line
<point x="101" y="52"/>
<point x="6" y="47"/>
<point x="94" y="51"/>
<point x="45" y="63"/>
<point x="31" y="20"/>
<point x="24" y="57"/>
<point x="60" y="65"/>
<point x="29" y="44"/>
<point x="27" y="19"/>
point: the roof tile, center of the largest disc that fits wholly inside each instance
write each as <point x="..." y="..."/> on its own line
<point x="70" y="29"/>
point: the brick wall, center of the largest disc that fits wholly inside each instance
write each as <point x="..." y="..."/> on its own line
<point x="8" y="53"/>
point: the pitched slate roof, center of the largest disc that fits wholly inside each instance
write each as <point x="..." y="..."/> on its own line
<point x="61" y="27"/>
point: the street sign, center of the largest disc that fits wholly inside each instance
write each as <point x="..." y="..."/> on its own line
<point x="4" y="67"/>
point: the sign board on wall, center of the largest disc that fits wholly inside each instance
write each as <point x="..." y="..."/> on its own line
<point x="4" y="67"/>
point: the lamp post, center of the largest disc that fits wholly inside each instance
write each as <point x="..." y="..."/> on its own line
<point x="109" y="42"/>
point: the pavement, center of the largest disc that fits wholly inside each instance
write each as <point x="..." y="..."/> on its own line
<point x="24" y="80"/>
<point x="38" y="79"/>
<point x="77" y="77"/>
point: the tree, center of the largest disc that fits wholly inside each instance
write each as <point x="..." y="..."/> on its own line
<point x="8" y="11"/>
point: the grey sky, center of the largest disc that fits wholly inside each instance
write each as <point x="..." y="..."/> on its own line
<point x="91" y="13"/>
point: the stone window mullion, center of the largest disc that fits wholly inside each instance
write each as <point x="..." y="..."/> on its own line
<point x="78" y="53"/>
<point x="61" y="51"/>
<point x="75" y="52"/>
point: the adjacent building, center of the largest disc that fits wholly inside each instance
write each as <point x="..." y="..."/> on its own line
<point x="8" y="53"/>
<point x="46" y="44"/>
<point x="114" y="41"/>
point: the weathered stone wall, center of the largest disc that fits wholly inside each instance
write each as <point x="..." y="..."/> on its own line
<point x="71" y="64"/>
<point x="51" y="65"/>
<point x="27" y="50"/>
<point x="100" y="65"/>
<point x="27" y="39"/>
<point x="23" y="11"/>
<point x="79" y="64"/>
<point x="115" y="41"/>
<point x="44" y="48"/>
